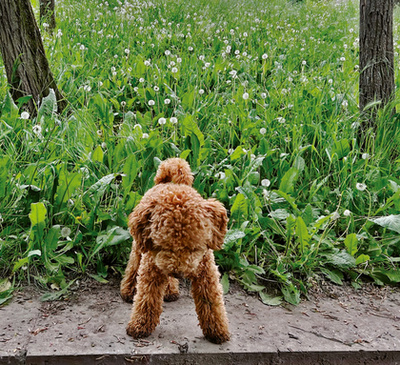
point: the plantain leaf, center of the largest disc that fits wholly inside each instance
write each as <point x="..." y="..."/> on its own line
<point x="269" y="299"/>
<point x="130" y="171"/>
<point x="239" y="208"/>
<point x="288" y="180"/>
<point x="391" y="222"/>
<point x="351" y="244"/>
<point x="98" y="154"/>
<point x="4" y="172"/>
<point x="291" y="294"/>
<point x="233" y="235"/>
<point x="302" y="234"/>
<point x="225" y="283"/>
<point x="342" y="260"/>
<point x="334" y="275"/>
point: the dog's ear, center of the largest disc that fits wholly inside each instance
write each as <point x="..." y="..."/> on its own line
<point x="219" y="220"/>
<point x="139" y="227"/>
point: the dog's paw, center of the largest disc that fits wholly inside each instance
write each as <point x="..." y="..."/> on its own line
<point x="217" y="338"/>
<point x="171" y="297"/>
<point x="127" y="296"/>
<point x="136" y="331"/>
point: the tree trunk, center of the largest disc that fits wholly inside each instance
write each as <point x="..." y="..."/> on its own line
<point x="24" y="58"/>
<point x="47" y="14"/>
<point x="376" y="53"/>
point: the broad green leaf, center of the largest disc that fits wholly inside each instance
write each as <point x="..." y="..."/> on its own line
<point x="100" y="186"/>
<point x="48" y="105"/>
<point x="58" y="294"/>
<point x="237" y="154"/>
<point x="391" y="222"/>
<point x="113" y="236"/>
<point x="51" y="241"/>
<point x="253" y="178"/>
<point x="288" y="180"/>
<point x="5" y="285"/>
<point x="4" y="172"/>
<point x="6" y="298"/>
<point x="308" y="215"/>
<point x="334" y="275"/>
<point x="9" y="111"/>
<point x="133" y="199"/>
<point x="68" y="183"/>
<point x="98" y="278"/>
<point x="37" y="217"/>
<point x="382" y="276"/>
<point x="291" y="294"/>
<point x="342" y="260"/>
<point x="189" y="127"/>
<point x="299" y="163"/>
<point x="254" y="202"/>
<point x="322" y="221"/>
<point x="225" y="283"/>
<point x="280" y="214"/>
<point x="130" y="171"/>
<point x="98" y="154"/>
<point x="351" y="242"/>
<point x="140" y="69"/>
<point x="233" y="235"/>
<point x="269" y="299"/>
<point x="35" y="253"/>
<point x="185" y="154"/>
<point x="290" y="226"/>
<point x="20" y="263"/>
<point x="288" y="198"/>
<point x="64" y="260"/>
<point x="239" y="210"/>
<point x="393" y="275"/>
<point x="341" y="148"/>
<point x="362" y="259"/>
<point x="255" y="269"/>
<point x="302" y="234"/>
<point x="187" y="99"/>
<point x="254" y="287"/>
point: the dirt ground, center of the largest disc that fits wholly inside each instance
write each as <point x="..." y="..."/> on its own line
<point x="337" y="325"/>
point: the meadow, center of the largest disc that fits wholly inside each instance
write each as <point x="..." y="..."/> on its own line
<point x="259" y="96"/>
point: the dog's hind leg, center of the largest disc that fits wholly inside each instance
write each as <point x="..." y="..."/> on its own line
<point x="147" y="304"/>
<point x="208" y="297"/>
<point x="172" y="292"/>
<point x="128" y="283"/>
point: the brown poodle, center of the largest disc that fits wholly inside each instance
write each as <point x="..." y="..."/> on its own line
<point x="175" y="232"/>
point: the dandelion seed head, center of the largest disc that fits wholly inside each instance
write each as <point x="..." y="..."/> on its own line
<point x="361" y="186"/>
<point x="25" y="115"/>
<point x="265" y="182"/>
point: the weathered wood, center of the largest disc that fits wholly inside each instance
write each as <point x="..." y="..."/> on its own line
<point x="376" y="52"/>
<point x="24" y="57"/>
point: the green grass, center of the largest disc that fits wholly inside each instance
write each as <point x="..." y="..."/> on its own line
<point x="265" y="99"/>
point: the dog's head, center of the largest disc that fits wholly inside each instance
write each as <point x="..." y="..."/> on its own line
<point x="175" y="170"/>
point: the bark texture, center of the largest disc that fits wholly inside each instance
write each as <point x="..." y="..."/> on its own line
<point x="47" y="14"/>
<point x="24" y="57"/>
<point x="376" y="52"/>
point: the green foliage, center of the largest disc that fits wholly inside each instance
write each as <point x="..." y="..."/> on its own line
<point x="264" y="109"/>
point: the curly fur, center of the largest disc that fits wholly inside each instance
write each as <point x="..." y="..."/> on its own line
<point x="175" y="232"/>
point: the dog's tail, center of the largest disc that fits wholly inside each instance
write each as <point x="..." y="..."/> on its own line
<point x="174" y="170"/>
